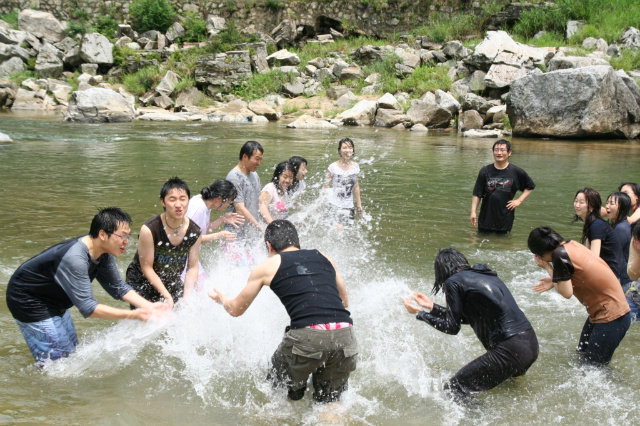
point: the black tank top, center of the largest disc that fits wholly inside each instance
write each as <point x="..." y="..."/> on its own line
<point x="168" y="261"/>
<point x="306" y="286"/>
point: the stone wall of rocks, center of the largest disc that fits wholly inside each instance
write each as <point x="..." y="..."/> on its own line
<point x="355" y="15"/>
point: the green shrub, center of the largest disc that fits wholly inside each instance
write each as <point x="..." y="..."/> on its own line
<point x="628" y="60"/>
<point x="185" y="83"/>
<point x="11" y="18"/>
<point x="262" y="84"/>
<point x="120" y="55"/>
<point x="151" y="15"/>
<point x="426" y="79"/>
<point x="106" y="25"/>
<point x="74" y="28"/>
<point x="140" y="82"/>
<point x="195" y="28"/>
<point x="274" y="5"/>
<point x="455" y="28"/>
<point x="19" y="77"/>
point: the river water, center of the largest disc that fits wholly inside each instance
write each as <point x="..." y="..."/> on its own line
<point x="199" y="366"/>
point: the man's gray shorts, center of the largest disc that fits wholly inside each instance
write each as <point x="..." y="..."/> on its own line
<point x="328" y="355"/>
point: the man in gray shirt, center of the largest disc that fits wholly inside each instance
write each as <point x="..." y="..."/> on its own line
<point x="41" y="290"/>
<point x="247" y="182"/>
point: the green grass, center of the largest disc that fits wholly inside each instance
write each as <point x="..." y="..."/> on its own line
<point x="11" y="18"/>
<point x="629" y="60"/>
<point x="140" y="82"/>
<point x="261" y="84"/>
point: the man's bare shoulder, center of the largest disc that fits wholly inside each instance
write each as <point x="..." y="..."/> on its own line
<point x="267" y="269"/>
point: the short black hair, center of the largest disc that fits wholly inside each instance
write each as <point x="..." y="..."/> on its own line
<point x="624" y="207"/>
<point x="249" y="148"/>
<point x="174" y="183"/>
<point x="108" y="219"/>
<point x="281" y="234"/>
<point x="636" y="190"/>
<point x="448" y="262"/>
<point x="502" y="142"/>
<point x="221" y="188"/>
<point x="543" y="239"/>
<point x="346" y="140"/>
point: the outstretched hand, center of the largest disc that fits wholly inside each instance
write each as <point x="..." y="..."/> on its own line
<point x="217" y="295"/>
<point x="233" y="219"/>
<point x="544" y="285"/>
<point x="422" y="300"/>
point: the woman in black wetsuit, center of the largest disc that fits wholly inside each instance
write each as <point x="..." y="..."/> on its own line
<point x="476" y="296"/>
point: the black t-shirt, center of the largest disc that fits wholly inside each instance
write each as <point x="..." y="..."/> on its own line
<point x="496" y="187"/>
<point x="476" y="296"/>
<point x="610" y="250"/>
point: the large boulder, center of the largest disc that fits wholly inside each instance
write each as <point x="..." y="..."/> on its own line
<point x="168" y="83"/>
<point x="174" y="32"/>
<point x="285" y="33"/>
<point x="429" y="114"/>
<point x="589" y="102"/>
<point x="11" y="66"/>
<point x="48" y="64"/>
<point x="283" y="57"/>
<point x="96" y="49"/>
<point x="630" y="38"/>
<point x="27" y="100"/>
<point x="260" y="107"/>
<point x="362" y="113"/>
<point x="60" y="90"/>
<point x="390" y="118"/>
<point x="310" y="122"/>
<point x="97" y="105"/>
<point x="561" y="62"/>
<point x="215" y="24"/>
<point x="258" y="55"/>
<point x="41" y="24"/>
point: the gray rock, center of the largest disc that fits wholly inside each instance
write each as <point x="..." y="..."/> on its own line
<point x="403" y="71"/>
<point x="162" y="101"/>
<point x="161" y="42"/>
<point x="32" y="101"/>
<point x="221" y="71"/>
<point x="259" y="119"/>
<point x="72" y="57"/>
<point x="96" y="105"/>
<point x="323" y="74"/>
<point x="561" y="62"/>
<point x="479" y="133"/>
<point x="258" y="55"/>
<point x="630" y="37"/>
<point x="589" y="102"/>
<point x="90" y="69"/>
<point x="428" y="114"/>
<point x="334" y="92"/>
<point x="372" y="89"/>
<point x="96" y="49"/>
<point x="8" y="93"/>
<point x="161" y="116"/>
<point x="390" y="118"/>
<point x="508" y="15"/>
<point x="470" y="119"/>
<point x="283" y="57"/>
<point x="174" y="32"/>
<point x="215" y="24"/>
<point x="455" y="49"/>
<point x="189" y="97"/>
<point x="10" y="36"/>
<point x="367" y="54"/>
<point x="125" y="41"/>
<point x="388" y="101"/>
<point x="41" y="24"/>
<point x="66" y="44"/>
<point x="293" y="90"/>
<point x="350" y="73"/>
<point x="421" y="128"/>
<point x="150" y="35"/>
<point x="347" y="100"/>
<point x="285" y="33"/>
<point x="362" y="113"/>
<point x="168" y="84"/>
<point x="317" y="62"/>
<point x="573" y="27"/>
<point x="471" y="101"/>
<point x="134" y="65"/>
<point x="373" y="78"/>
<point x="491" y="112"/>
<point x="48" y="65"/>
<point x="589" y="43"/>
<point x="310" y="122"/>
<point x="474" y="83"/>
<point x="447" y="101"/>
<point x="409" y="59"/>
<point x="311" y="88"/>
<point x="125" y="30"/>
<point x="261" y="108"/>
<point x="11" y="66"/>
<point x="8" y="51"/>
<point x="497" y="42"/>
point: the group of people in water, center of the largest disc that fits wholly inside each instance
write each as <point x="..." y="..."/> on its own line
<point x="320" y="340"/>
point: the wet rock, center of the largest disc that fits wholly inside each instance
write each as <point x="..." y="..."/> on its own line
<point x="97" y="105"/>
<point x="419" y="128"/>
<point x="390" y="118"/>
<point x="260" y="107"/>
<point x="429" y="114"/>
<point x="588" y="102"/>
<point x="310" y="122"/>
<point x="479" y="133"/>
<point x="388" y="101"/>
<point x="362" y="113"/>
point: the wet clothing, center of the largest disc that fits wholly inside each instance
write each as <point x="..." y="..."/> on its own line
<point x="623" y="232"/>
<point x="279" y="204"/>
<point x="42" y="289"/>
<point x="611" y="249"/>
<point x="60" y="277"/>
<point x="306" y="285"/>
<point x="594" y="284"/>
<point x="496" y="187"/>
<point x="168" y="261"/>
<point x="476" y="296"/>
<point x="342" y="182"/>
<point x="598" y="289"/>
<point x="248" y="187"/>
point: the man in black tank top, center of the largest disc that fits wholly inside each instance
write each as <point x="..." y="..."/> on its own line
<point x="320" y="339"/>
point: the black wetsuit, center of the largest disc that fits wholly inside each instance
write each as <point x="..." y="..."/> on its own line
<point x="476" y="296"/>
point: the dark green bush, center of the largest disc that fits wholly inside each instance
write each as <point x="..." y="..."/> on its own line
<point x="149" y="15"/>
<point x="195" y="28"/>
<point x="74" y="28"/>
<point x="106" y="25"/>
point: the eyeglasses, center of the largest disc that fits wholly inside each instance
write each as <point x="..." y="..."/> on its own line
<point x="123" y="237"/>
<point x="500" y="150"/>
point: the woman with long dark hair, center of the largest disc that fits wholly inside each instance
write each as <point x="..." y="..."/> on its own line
<point x="576" y="271"/>
<point x="274" y="199"/>
<point x="633" y="191"/>
<point x="476" y="296"/>
<point x="598" y="236"/>
<point x="618" y="207"/>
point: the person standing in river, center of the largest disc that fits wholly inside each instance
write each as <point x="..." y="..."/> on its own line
<point x="166" y="244"/>
<point x="41" y="290"/>
<point x="476" y="296"/>
<point x="496" y="186"/>
<point x="342" y="177"/>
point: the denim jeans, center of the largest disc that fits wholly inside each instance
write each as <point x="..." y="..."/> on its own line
<point x="53" y="338"/>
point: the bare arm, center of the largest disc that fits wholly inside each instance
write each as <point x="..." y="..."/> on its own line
<point x="633" y="268"/>
<point x="515" y="203"/>
<point x="475" y="201"/>
<point x="565" y="288"/>
<point x="191" y="277"/>
<point x="634" y="217"/>
<point x="265" y="200"/>
<point x="342" y="287"/>
<point x="241" y="209"/>
<point x="146" y="252"/>
<point x="329" y="178"/>
<point x="108" y="312"/>
<point x="356" y="196"/>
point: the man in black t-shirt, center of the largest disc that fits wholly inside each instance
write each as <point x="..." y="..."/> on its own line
<point x="496" y="186"/>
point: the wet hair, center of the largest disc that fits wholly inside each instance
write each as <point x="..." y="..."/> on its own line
<point x="221" y="188"/>
<point x="346" y="140"/>
<point x="635" y="230"/>
<point x="636" y="190"/>
<point x="543" y="239"/>
<point x="281" y="234"/>
<point x="448" y="262"/>
<point x="295" y="162"/>
<point x="502" y="142"/>
<point x="594" y="203"/>
<point x="108" y="219"/>
<point x="624" y="206"/>
<point x="174" y="183"/>
<point x="279" y="170"/>
<point x="249" y="148"/>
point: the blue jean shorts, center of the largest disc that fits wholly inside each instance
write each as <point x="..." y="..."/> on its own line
<point x="50" y="339"/>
